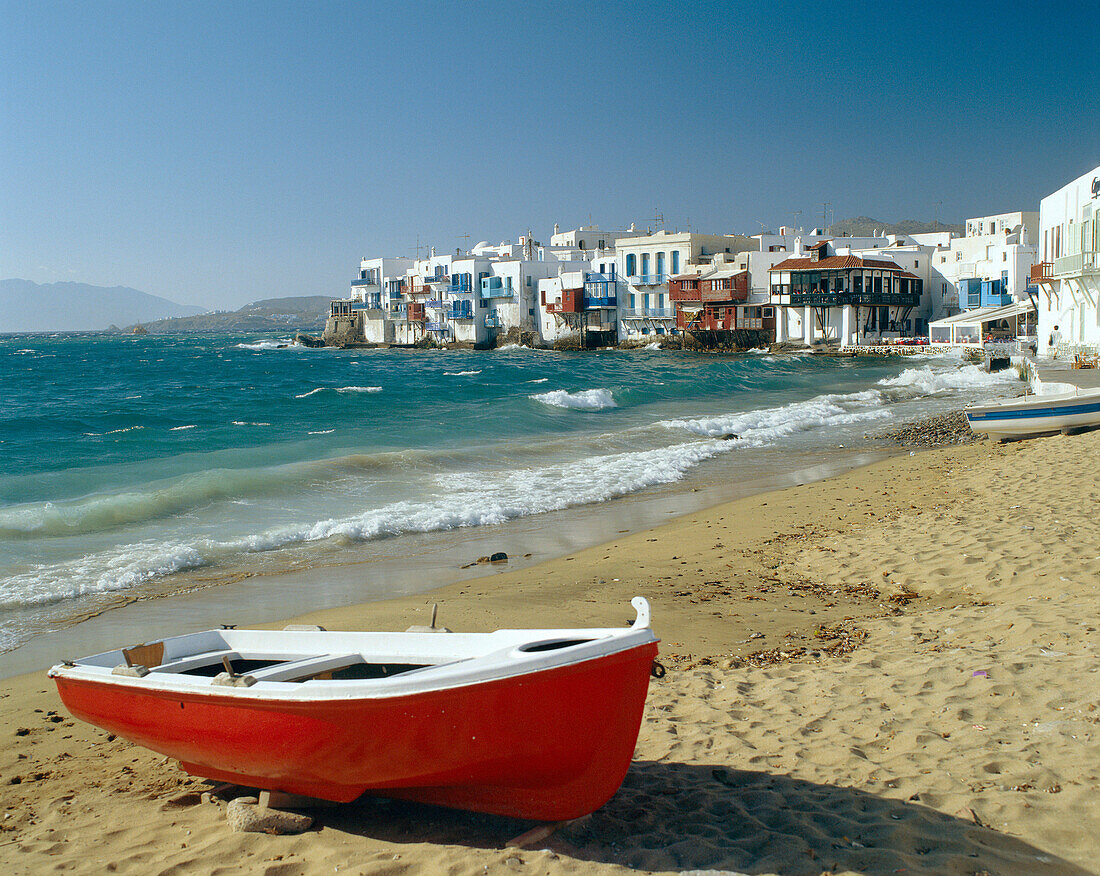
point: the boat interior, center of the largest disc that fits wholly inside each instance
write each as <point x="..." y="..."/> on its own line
<point x="299" y="654"/>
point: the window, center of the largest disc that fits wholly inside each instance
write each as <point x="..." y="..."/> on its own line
<point x="631" y="264"/>
<point x="1004" y="257"/>
<point x="676" y="261"/>
<point x="916" y="263"/>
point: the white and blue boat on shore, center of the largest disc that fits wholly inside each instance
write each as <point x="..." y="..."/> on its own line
<point x="1036" y="414"/>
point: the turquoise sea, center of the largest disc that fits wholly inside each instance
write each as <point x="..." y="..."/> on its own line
<point x="135" y="465"/>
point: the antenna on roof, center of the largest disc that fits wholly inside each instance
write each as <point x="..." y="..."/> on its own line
<point x="796" y="214"/>
<point x="825" y="217"/>
<point x="658" y="218"/>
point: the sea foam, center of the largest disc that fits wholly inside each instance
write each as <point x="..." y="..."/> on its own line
<point x="934" y="381"/>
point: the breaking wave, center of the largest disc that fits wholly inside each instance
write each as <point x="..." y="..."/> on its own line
<point x="768" y="425"/>
<point x="461" y="500"/>
<point x="585" y="400"/>
<point x="933" y="381"/>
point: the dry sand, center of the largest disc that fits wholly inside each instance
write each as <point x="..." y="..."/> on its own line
<point x="927" y="700"/>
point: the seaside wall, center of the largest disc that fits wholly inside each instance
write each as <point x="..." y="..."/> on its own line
<point x="340" y="331"/>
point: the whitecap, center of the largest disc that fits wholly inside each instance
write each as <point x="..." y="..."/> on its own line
<point x="461" y="373"/>
<point x="311" y="392"/>
<point x="322" y="432"/>
<point x="182" y="428"/>
<point x="359" y="389"/>
<point x="585" y="400"/>
<point x="267" y="345"/>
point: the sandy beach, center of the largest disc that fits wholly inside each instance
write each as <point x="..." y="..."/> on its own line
<point x="890" y="671"/>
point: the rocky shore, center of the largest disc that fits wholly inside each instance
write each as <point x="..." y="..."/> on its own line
<point x="939" y="431"/>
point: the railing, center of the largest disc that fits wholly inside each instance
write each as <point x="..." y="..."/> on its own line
<point x="1077" y="264"/>
<point x="650" y="313"/>
<point x="649" y="279"/>
<point x="841" y="299"/>
<point x="610" y="301"/>
<point x="435" y="326"/>
<point x="361" y="282"/>
<point x="459" y="287"/>
<point x="459" y="312"/>
<point x="498" y="292"/>
<point x="493" y="321"/>
<point x="437" y="304"/>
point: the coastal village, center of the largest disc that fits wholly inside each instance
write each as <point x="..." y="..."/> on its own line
<point x="1026" y="278"/>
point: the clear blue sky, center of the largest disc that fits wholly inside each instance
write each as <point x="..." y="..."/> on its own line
<point x="217" y="153"/>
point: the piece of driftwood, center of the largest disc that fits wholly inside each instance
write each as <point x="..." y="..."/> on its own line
<point x="540" y="833"/>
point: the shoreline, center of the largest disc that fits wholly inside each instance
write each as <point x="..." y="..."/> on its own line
<point x="957" y="737"/>
<point x="390" y="568"/>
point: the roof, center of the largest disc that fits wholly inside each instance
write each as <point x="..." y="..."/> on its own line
<point x="839" y="262"/>
<point x="985" y="314"/>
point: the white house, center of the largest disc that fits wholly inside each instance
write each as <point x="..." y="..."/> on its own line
<point x="988" y="267"/>
<point x="1068" y="276"/>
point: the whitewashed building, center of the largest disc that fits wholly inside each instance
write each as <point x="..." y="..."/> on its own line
<point x="990" y="266"/>
<point x="644" y="266"/>
<point x="1068" y="276"/>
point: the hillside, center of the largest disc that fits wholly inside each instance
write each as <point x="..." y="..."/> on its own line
<point x="75" y="307"/>
<point x="865" y="226"/>
<point x="305" y="313"/>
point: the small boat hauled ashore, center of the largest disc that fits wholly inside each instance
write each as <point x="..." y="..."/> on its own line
<point x="537" y="724"/>
<point x="1036" y="414"/>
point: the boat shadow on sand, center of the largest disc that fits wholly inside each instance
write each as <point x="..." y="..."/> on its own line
<point x="674" y="816"/>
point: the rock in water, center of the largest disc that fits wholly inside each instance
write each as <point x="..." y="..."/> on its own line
<point x="499" y="557"/>
<point x="245" y="815"/>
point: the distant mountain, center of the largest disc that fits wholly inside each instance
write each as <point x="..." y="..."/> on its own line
<point x="865" y="226"/>
<point x="76" y="307"/>
<point x="306" y="313"/>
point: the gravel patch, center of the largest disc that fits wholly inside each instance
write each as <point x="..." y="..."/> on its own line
<point x="939" y="431"/>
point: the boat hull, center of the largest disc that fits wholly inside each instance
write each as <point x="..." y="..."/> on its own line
<point x="548" y="745"/>
<point x="1036" y="415"/>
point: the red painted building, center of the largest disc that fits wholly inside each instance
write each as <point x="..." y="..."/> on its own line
<point x="716" y="302"/>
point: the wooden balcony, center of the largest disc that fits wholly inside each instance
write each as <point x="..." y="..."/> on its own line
<point x="1042" y="272"/>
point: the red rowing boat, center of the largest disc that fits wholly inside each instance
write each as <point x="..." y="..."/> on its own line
<point x="537" y="724"/>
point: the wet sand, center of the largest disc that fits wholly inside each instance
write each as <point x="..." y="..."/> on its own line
<point x="893" y="670"/>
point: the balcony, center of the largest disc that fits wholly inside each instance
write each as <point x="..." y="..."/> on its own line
<point x="361" y="282"/>
<point x="494" y="287"/>
<point x="493" y="321"/>
<point x="1042" y="272"/>
<point x="649" y="280"/>
<point x="435" y="326"/>
<point x="590" y="302"/>
<point x="1081" y="263"/>
<point x="650" y="313"/>
<point x="843" y="299"/>
<point x="459" y="286"/>
<point x="459" y="310"/>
